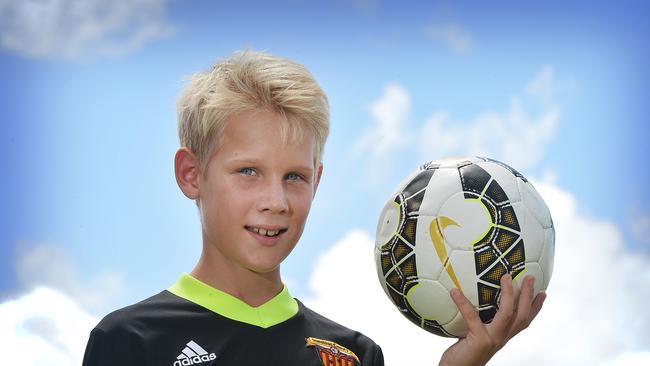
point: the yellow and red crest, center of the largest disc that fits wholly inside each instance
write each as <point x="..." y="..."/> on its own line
<point x="333" y="354"/>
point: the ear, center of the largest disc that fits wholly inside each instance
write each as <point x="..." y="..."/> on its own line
<point x="319" y="173"/>
<point x="187" y="170"/>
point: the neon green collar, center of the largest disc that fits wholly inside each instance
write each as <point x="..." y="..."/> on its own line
<point x="272" y="312"/>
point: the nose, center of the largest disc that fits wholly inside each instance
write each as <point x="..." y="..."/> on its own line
<point x="273" y="198"/>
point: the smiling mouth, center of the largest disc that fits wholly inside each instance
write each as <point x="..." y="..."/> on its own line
<point x="265" y="232"/>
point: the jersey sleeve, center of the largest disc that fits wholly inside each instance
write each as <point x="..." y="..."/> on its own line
<point x="378" y="360"/>
<point x="105" y="349"/>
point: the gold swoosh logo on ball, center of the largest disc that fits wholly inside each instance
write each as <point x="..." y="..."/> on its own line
<point x="437" y="225"/>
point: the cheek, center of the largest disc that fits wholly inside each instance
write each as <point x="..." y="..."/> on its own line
<point x="302" y="203"/>
<point x="226" y="196"/>
<point x="219" y="206"/>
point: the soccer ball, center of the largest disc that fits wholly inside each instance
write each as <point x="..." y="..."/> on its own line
<point x="463" y="223"/>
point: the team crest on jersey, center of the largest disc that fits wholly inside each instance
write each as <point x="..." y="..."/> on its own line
<point x="333" y="354"/>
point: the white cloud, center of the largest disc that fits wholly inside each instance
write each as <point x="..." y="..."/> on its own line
<point x="452" y="35"/>
<point x="516" y="135"/>
<point x="48" y="265"/>
<point x="44" y="327"/>
<point x="50" y="323"/>
<point x="545" y="88"/>
<point x="389" y="130"/>
<point x="513" y="136"/>
<point x="77" y="29"/>
<point x="544" y="85"/>
<point x="595" y="314"/>
<point x="631" y="359"/>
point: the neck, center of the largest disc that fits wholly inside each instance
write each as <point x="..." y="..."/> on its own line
<point x="253" y="288"/>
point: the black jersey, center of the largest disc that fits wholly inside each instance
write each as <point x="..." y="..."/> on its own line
<point x="192" y="323"/>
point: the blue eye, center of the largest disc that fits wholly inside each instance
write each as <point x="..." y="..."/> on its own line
<point x="247" y="171"/>
<point x="294" y="176"/>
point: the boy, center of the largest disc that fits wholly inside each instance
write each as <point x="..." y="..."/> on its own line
<point x="252" y="131"/>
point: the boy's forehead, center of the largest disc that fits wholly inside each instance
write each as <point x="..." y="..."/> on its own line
<point x="249" y="132"/>
<point x="246" y="125"/>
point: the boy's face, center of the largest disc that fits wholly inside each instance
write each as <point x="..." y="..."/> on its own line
<point x="257" y="192"/>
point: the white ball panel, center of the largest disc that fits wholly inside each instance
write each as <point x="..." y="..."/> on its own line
<point x="388" y="223"/>
<point x="443" y="184"/>
<point x="457" y="326"/>
<point x="472" y="219"/>
<point x="533" y="235"/>
<point x="426" y="258"/>
<point x="465" y="270"/>
<point x="533" y="268"/>
<point x="535" y="203"/>
<point x="547" y="258"/>
<point x="504" y="177"/>
<point x="431" y="301"/>
<point x="452" y="162"/>
<point x="520" y="212"/>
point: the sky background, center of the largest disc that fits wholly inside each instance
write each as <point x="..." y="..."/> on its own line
<point x="92" y="219"/>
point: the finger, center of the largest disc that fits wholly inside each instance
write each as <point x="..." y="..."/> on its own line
<point x="522" y="316"/>
<point x="468" y="312"/>
<point x="526" y="296"/>
<point x="501" y="323"/>
<point x="537" y="305"/>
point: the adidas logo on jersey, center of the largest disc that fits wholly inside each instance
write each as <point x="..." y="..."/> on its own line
<point x="193" y="354"/>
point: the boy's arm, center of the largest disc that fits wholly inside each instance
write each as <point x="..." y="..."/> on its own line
<point x="484" y="340"/>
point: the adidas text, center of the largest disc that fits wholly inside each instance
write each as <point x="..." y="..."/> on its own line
<point x="195" y="360"/>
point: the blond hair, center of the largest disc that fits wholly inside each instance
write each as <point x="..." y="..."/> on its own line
<point x="249" y="81"/>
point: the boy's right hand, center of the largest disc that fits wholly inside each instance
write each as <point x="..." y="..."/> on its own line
<point x="484" y="340"/>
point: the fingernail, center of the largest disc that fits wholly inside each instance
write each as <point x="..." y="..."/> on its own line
<point x="530" y="279"/>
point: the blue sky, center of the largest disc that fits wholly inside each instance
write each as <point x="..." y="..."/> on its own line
<point x="90" y="125"/>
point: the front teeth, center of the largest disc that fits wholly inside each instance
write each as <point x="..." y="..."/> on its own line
<point x="265" y="232"/>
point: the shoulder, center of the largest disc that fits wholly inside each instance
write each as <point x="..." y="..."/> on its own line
<point x="123" y="336"/>
<point x="133" y="317"/>
<point x="320" y="320"/>
<point x="323" y="322"/>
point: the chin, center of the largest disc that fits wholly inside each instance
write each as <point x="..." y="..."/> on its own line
<point x="264" y="268"/>
<point x="264" y="261"/>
